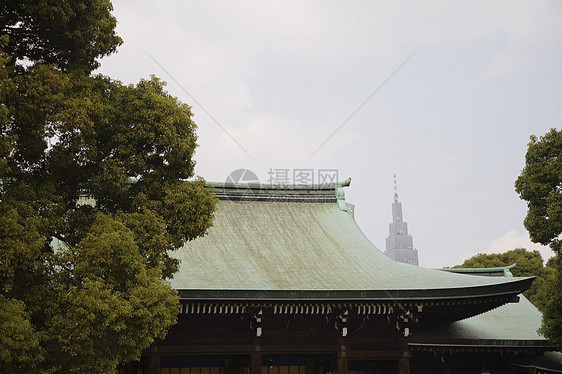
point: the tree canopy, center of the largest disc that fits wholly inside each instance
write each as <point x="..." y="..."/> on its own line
<point x="551" y="306"/>
<point x="71" y="34"/>
<point x="528" y="264"/>
<point x="97" y="187"/>
<point x="540" y="184"/>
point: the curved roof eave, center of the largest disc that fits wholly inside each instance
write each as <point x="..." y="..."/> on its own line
<point x="504" y="290"/>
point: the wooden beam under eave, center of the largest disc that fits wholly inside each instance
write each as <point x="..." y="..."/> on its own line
<point x="404" y="365"/>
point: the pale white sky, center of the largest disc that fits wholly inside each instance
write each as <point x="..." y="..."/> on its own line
<point x="282" y="76"/>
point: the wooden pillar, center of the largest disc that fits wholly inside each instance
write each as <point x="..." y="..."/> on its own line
<point x="255" y="363"/>
<point x="404" y="365"/>
<point x="377" y="367"/>
<point x="342" y="356"/>
<point x="314" y="366"/>
<point x="233" y="365"/>
<point x="370" y="367"/>
<point x="342" y="365"/>
<point x="154" y="362"/>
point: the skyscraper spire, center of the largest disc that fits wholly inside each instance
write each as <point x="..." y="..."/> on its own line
<point x="400" y="244"/>
<point x="395" y="189"/>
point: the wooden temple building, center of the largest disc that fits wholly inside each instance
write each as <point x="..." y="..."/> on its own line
<point x="285" y="282"/>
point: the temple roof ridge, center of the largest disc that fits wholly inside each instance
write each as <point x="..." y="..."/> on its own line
<point x="281" y="186"/>
<point x="310" y="193"/>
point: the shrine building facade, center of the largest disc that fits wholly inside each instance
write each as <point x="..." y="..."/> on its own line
<point x="286" y="282"/>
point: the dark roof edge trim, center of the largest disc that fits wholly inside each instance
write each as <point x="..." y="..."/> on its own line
<point x="280" y="187"/>
<point x="507" y="289"/>
<point x="485" y="343"/>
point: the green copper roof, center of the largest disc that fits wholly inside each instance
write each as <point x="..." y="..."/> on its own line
<point x="513" y="324"/>
<point x="497" y="271"/>
<point x="305" y="239"/>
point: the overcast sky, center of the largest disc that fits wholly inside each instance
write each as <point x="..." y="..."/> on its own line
<point x="467" y="83"/>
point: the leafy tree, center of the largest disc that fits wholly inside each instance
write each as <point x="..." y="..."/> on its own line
<point x="19" y="342"/>
<point x="552" y="305"/>
<point x="97" y="188"/>
<point x="528" y="264"/>
<point x="71" y="34"/>
<point x="100" y="300"/>
<point x="540" y="184"/>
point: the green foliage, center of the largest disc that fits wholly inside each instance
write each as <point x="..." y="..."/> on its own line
<point x="108" y="304"/>
<point x="6" y="89"/>
<point x="68" y="33"/>
<point x="19" y="342"/>
<point x="528" y="264"/>
<point x="540" y="184"/>
<point x="97" y="188"/>
<point x="552" y="304"/>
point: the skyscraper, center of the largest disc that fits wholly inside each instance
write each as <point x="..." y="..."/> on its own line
<point x="400" y="244"/>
